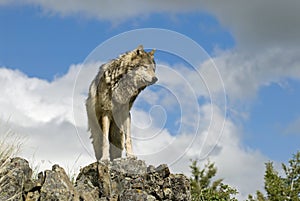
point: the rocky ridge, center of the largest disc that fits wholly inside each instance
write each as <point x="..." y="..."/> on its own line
<point x="121" y="179"/>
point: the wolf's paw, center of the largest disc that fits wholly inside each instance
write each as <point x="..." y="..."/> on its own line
<point x="104" y="161"/>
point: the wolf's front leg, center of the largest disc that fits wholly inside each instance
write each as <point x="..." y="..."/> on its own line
<point x="128" y="142"/>
<point x="105" y="142"/>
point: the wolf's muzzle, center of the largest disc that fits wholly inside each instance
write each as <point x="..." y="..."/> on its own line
<point x="154" y="79"/>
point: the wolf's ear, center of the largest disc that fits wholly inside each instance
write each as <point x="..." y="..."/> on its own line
<point x="152" y="52"/>
<point x="139" y="49"/>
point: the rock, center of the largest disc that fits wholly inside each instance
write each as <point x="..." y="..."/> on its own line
<point x="104" y="180"/>
<point x="131" y="179"/>
<point x="180" y="185"/>
<point x="57" y="186"/>
<point x="119" y="180"/>
<point x="87" y="183"/>
<point x="133" y="194"/>
<point x="163" y="171"/>
<point x="129" y="166"/>
<point x="14" y="175"/>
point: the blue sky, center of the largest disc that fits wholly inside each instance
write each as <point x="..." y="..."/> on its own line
<point x="41" y="40"/>
<point x="270" y="118"/>
<point x="256" y="49"/>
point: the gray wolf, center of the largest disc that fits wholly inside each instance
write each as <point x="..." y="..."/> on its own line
<point x="111" y="96"/>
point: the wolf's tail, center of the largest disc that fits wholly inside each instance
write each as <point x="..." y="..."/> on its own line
<point x="93" y="124"/>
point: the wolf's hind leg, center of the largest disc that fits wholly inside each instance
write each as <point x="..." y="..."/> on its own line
<point x="115" y="152"/>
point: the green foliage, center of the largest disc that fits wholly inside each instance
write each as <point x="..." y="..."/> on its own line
<point x="279" y="188"/>
<point x="284" y="188"/>
<point x="203" y="188"/>
<point x="259" y="197"/>
<point x="274" y="184"/>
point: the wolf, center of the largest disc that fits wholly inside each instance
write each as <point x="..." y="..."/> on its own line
<point x="111" y="96"/>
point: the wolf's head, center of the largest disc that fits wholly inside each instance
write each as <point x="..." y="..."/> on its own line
<point x="139" y="66"/>
<point x="144" y="67"/>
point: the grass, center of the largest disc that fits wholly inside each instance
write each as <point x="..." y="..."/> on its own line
<point x="10" y="143"/>
<point x="10" y="146"/>
<point x="73" y="171"/>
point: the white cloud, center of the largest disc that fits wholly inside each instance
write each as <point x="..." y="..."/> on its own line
<point x="106" y="10"/>
<point x="256" y="23"/>
<point x="30" y="100"/>
<point x="244" y="73"/>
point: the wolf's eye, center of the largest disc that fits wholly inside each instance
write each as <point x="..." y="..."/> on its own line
<point x="144" y="66"/>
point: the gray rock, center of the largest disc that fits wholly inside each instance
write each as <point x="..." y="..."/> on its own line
<point x="130" y="179"/>
<point x="104" y="179"/>
<point x="121" y="179"/>
<point x="133" y="194"/>
<point x="87" y="183"/>
<point x="163" y="171"/>
<point x="180" y="186"/>
<point x="57" y="186"/>
<point x="129" y="166"/>
<point x="14" y="175"/>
